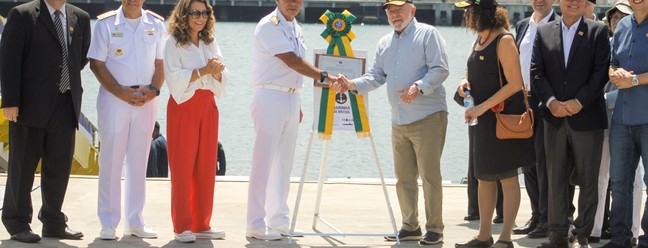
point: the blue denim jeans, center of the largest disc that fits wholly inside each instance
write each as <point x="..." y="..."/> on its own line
<point x="627" y="145"/>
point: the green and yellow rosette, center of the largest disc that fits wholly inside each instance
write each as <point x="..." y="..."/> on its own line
<point x="339" y="36"/>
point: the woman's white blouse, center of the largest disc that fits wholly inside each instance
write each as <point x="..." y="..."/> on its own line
<point x="181" y="61"/>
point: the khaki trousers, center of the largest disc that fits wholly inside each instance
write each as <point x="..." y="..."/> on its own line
<point x="417" y="149"/>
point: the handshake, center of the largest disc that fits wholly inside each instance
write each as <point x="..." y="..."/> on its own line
<point x="340" y="83"/>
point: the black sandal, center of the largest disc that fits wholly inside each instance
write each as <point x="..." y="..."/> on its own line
<point x="503" y="244"/>
<point x="475" y="243"/>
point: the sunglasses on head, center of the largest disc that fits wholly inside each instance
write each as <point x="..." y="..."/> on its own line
<point x="195" y="14"/>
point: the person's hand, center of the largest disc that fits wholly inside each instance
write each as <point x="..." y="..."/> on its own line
<point x="408" y="94"/>
<point x="10" y="113"/>
<point x="330" y="80"/>
<point x="463" y="86"/>
<point x="132" y="95"/>
<point x="342" y="84"/>
<point x="148" y="94"/>
<point x="215" y="66"/>
<point x="473" y="112"/>
<point x="572" y="107"/>
<point x="558" y="109"/>
<point x="621" y="78"/>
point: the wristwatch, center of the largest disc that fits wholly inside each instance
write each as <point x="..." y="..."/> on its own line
<point x="323" y="76"/>
<point x="157" y="91"/>
<point x="635" y="81"/>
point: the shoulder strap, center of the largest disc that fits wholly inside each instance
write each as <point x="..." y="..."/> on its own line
<point x="106" y="15"/>
<point x="499" y="73"/>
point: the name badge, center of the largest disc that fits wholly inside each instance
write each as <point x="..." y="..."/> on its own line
<point x="117" y="34"/>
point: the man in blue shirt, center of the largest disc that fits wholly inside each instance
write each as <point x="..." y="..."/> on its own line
<point x="629" y="129"/>
<point x="412" y="61"/>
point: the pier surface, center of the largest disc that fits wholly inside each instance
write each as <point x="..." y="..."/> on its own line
<point x="352" y="207"/>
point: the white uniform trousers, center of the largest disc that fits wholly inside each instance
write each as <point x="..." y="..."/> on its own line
<point x="125" y="132"/>
<point x="276" y="121"/>
<point x="603" y="183"/>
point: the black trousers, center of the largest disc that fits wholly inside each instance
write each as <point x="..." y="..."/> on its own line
<point x="535" y="176"/>
<point x="54" y="144"/>
<point x="573" y="157"/>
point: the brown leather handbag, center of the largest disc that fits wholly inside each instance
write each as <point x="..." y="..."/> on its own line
<point x="514" y="126"/>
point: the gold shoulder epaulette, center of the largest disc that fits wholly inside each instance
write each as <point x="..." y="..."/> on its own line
<point x="155" y="15"/>
<point x="275" y="20"/>
<point x="107" y="14"/>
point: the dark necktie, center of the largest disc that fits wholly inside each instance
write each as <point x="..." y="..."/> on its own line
<point x="65" y="73"/>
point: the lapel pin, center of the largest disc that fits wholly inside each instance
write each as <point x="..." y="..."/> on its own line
<point x="481" y="57"/>
<point x="71" y="29"/>
<point x="150" y="32"/>
<point x="580" y="33"/>
<point x="119" y="51"/>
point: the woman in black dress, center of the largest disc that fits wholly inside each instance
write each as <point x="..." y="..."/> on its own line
<point x="494" y="159"/>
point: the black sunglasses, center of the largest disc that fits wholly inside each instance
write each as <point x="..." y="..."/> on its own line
<point x="195" y="14"/>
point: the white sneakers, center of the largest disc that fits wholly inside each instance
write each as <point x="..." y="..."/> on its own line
<point x="189" y="237"/>
<point x="210" y="234"/>
<point x="285" y="231"/>
<point x="185" y="237"/>
<point x="142" y="232"/>
<point x="263" y="234"/>
<point x="107" y="233"/>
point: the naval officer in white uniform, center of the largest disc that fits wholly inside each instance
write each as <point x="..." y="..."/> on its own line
<point x="126" y="57"/>
<point x="278" y="69"/>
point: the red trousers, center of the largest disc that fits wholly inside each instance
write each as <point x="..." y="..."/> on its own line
<point x="192" y="141"/>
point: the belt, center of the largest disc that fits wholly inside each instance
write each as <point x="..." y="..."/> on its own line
<point x="277" y="87"/>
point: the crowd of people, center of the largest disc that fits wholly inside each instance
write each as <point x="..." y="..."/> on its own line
<point x="580" y="76"/>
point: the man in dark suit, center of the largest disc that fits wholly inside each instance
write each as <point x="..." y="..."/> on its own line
<point x="535" y="175"/>
<point x="568" y="71"/>
<point x="41" y="59"/>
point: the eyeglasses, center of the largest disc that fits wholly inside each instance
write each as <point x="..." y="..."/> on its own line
<point x="195" y="14"/>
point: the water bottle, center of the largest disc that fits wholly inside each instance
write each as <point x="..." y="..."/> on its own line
<point x="469" y="102"/>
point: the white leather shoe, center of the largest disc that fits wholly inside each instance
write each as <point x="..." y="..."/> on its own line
<point x="142" y="232"/>
<point x="185" y="237"/>
<point x="263" y="234"/>
<point x="210" y="234"/>
<point x="285" y="231"/>
<point x="107" y="233"/>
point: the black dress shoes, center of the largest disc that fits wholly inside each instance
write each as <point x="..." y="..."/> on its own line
<point x="26" y="236"/>
<point x="556" y="240"/>
<point x="498" y="219"/>
<point x="539" y="232"/>
<point x="527" y="228"/>
<point x="471" y="217"/>
<point x="65" y="233"/>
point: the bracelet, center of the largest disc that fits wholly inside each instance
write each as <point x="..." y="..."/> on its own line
<point x="198" y="72"/>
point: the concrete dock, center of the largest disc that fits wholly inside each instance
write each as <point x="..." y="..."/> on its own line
<point x="352" y="207"/>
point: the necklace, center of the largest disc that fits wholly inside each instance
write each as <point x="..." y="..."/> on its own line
<point x="480" y="39"/>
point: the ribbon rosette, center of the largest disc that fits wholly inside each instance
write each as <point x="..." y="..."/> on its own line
<point x="338" y="32"/>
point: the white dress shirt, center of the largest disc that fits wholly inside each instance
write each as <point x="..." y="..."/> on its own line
<point x="271" y="39"/>
<point x="181" y="61"/>
<point x="63" y="19"/>
<point x="526" y="47"/>
<point x="568" y="34"/>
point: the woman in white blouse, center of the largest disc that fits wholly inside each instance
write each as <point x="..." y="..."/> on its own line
<point x="195" y="75"/>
